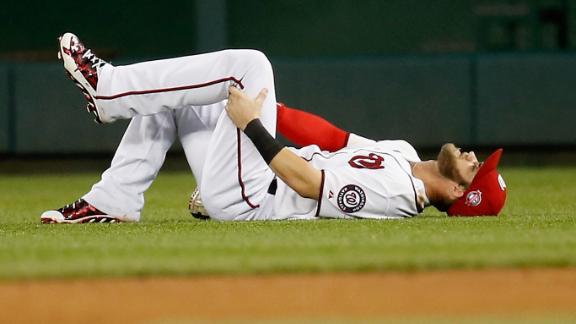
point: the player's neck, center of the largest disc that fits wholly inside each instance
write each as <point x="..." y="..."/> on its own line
<point x="434" y="182"/>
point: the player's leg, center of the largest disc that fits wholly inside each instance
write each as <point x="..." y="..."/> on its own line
<point x="142" y="153"/>
<point x="235" y="180"/>
<point x="200" y="80"/>
<point x="135" y="165"/>
<point x="195" y="141"/>
<point x="151" y="87"/>
<point x="119" y="195"/>
<point x="195" y="127"/>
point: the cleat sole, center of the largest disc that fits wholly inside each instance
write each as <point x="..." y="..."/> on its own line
<point x="83" y="220"/>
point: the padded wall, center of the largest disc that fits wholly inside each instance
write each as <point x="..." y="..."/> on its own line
<point x="4" y="104"/>
<point x="529" y="99"/>
<point x="428" y="100"/>
<point x="51" y="115"/>
<point x="425" y="101"/>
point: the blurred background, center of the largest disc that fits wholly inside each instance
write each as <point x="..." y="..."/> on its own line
<point x="480" y="73"/>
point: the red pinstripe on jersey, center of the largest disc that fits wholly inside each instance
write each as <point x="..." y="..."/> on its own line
<point x="190" y="87"/>
<point x="186" y="87"/>
<point x="242" y="188"/>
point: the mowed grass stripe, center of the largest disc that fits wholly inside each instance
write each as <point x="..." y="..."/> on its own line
<point x="536" y="229"/>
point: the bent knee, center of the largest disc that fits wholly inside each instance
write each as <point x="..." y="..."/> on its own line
<point x="250" y="58"/>
<point x="214" y="200"/>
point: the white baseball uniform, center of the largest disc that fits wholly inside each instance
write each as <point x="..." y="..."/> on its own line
<point x="237" y="175"/>
<point x="371" y="182"/>
<point x="141" y="153"/>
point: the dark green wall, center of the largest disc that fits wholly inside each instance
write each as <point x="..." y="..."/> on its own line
<point x="4" y="104"/>
<point x="487" y="100"/>
<point x="288" y="28"/>
<point x="477" y="72"/>
<point x="118" y="29"/>
<point x="389" y="98"/>
<point x="50" y="115"/>
<point x="338" y="28"/>
<point x="371" y="27"/>
<point x="527" y="99"/>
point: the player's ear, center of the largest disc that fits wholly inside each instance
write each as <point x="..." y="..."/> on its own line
<point x="455" y="191"/>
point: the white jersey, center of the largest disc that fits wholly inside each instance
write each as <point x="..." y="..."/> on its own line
<point x="374" y="181"/>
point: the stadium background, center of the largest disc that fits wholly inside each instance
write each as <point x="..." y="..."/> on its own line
<point x="480" y="73"/>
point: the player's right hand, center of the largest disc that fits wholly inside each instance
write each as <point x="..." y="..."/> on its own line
<point x="242" y="109"/>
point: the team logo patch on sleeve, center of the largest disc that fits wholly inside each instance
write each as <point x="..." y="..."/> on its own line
<point x="351" y="198"/>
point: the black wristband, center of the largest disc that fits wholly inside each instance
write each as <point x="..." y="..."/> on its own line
<point x="267" y="145"/>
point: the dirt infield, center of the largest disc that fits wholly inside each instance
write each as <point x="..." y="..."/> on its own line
<point x="535" y="293"/>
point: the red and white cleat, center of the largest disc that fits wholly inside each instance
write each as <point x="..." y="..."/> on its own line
<point x="82" y="67"/>
<point x="79" y="211"/>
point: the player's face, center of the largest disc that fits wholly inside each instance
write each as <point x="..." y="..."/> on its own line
<point x="457" y="165"/>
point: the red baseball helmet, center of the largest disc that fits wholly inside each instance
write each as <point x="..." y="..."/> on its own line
<point x="486" y="194"/>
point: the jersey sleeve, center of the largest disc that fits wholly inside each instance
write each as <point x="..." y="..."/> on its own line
<point x="355" y="141"/>
<point x="303" y="129"/>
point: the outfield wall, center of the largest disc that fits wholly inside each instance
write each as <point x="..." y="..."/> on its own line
<point x="488" y="100"/>
<point x="293" y="28"/>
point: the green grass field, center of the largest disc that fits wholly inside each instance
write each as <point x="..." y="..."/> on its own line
<point x="536" y="229"/>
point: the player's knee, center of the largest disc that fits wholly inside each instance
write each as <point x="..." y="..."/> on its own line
<point x="212" y="199"/>
<point x="260" y="59"/>
<point x="251" y="59"/>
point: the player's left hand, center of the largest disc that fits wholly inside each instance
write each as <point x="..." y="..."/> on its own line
<point x="242" y="109"/>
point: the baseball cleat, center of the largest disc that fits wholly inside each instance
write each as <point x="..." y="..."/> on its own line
<point x="82" y="66"/>
<point x="79" y="211"/>
<point x="196" y="207"/>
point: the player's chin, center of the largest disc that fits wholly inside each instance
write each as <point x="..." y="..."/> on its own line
<point x="446" y="159"/>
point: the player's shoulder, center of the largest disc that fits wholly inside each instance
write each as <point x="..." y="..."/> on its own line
<point x="401" y="147"/>
<point x="307" y="151"/>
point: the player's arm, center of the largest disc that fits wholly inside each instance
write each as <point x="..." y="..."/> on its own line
<point x="304" y="128"/>
<point x="298" y="174"/>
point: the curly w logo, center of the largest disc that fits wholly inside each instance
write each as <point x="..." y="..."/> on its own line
<point x="370" y="161"/>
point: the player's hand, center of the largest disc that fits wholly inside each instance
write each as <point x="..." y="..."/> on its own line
<point x="242" y="109"/>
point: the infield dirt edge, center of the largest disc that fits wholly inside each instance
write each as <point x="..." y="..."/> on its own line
<point x="508" y="293"/>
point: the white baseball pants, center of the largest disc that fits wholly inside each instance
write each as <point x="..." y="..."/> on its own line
<point x="232" y="175"/>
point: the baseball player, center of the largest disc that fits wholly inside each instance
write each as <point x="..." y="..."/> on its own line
<point x="249" y="175"/>
<point x="119" y="195"/>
